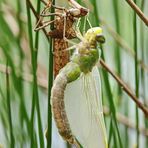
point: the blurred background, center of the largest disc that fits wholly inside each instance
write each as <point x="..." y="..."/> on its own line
<point x="25" y="73"/>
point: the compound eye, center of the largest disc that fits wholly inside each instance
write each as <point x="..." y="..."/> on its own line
<point x="100" y="38"/>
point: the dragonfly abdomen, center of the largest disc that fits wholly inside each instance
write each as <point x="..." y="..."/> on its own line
<point x="58" y="108"/>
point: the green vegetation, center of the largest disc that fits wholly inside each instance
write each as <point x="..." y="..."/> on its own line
<point x="26" y="73"/>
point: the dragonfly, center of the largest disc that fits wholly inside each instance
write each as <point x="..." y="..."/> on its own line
<point x="63" y="29"/>
<point x="76" y="95"/>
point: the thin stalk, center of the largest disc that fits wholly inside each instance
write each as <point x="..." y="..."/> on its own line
<point x="111" y="104"/>
<point x="33" y="142"/>
<point x="110" y="133"/>
<point x="35" y="100"/>
<point x="143" y="76"/>
<point x="23" y="112"/>
<point x="115" y="145"/>
<point x="35" y="90"/>
<point x="126" y="127"/>
<point x="50" y="81"/>
<point x="117" y="49"/>
<point x="97" y="21"/>
<point x="136" y="75"/>
<point x="106" y="80"/>
<point x="12" y="140"/>
<point x="22" y="104"/>
<point x="41" y="136"/>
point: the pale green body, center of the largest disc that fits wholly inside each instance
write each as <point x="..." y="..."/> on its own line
<point x="81" y="63"/>
<point x="85" y="59"/>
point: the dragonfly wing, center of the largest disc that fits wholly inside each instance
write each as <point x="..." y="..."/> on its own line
<point x="84" y="110"/>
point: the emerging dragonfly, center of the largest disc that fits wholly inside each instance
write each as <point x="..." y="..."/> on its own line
<point x="76" y="95"/>
<point x="63" y="29"/>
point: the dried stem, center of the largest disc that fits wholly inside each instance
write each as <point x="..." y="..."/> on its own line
<point x="126" y="89"/>
<point x="123" y="43"/>
<point x="44" y="84"/>
<point x="138" y="11"/>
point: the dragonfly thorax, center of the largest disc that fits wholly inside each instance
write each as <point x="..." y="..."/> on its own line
<point x="88" y="59"/>
<point x="88" y="54"/>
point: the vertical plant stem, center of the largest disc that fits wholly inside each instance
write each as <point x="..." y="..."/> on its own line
<point x="117" y="49"/>
<point x="136" y="75"/>
<point x="143" y="75"/>
<point x="41" y="136"/>
<point x="97" y="21"/>
<point x="33" y="99"/>
<point x="33" y="141"/>
<point x="12" y="143"/>
<point x="110" y="133"/>
<point x="108" y="88"/>
<point x="23" y="112"/>
<point x="111" y="104"/>
<point x="50" y="81"/>
<point x="22" y="104"/>
<point x="126" y="128"/>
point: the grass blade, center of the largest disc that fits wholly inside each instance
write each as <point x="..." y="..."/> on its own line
<point x="136" y="75"/>
<point x="12" y="143"/>
<point x="50" y="81"/>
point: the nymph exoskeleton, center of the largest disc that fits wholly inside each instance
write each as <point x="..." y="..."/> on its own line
<point x="63" y="29"/>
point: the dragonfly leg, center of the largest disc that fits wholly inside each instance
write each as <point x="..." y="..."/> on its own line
<point x="69" y="41"/>
<point x="38" y="23"/>
<point x="45" y="24"/>
<point x="48" y="6"/>
<point x="64" y="32"/>
<point x="79" y="34"/>
<point x="70" y="48"/>
<point x="89" y="23"/>
<point x="43" y="14"/>
<point x="51" y="14"/>
<point x="65" y="50"/>
<point x="46" y="15"/>
<point x="77" y="30"/>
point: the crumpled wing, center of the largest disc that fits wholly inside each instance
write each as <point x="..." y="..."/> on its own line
<point x="83" y="106"/>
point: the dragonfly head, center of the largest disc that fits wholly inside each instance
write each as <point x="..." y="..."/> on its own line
<point x="95" y="35"/>
<point x="100" y="38"/>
